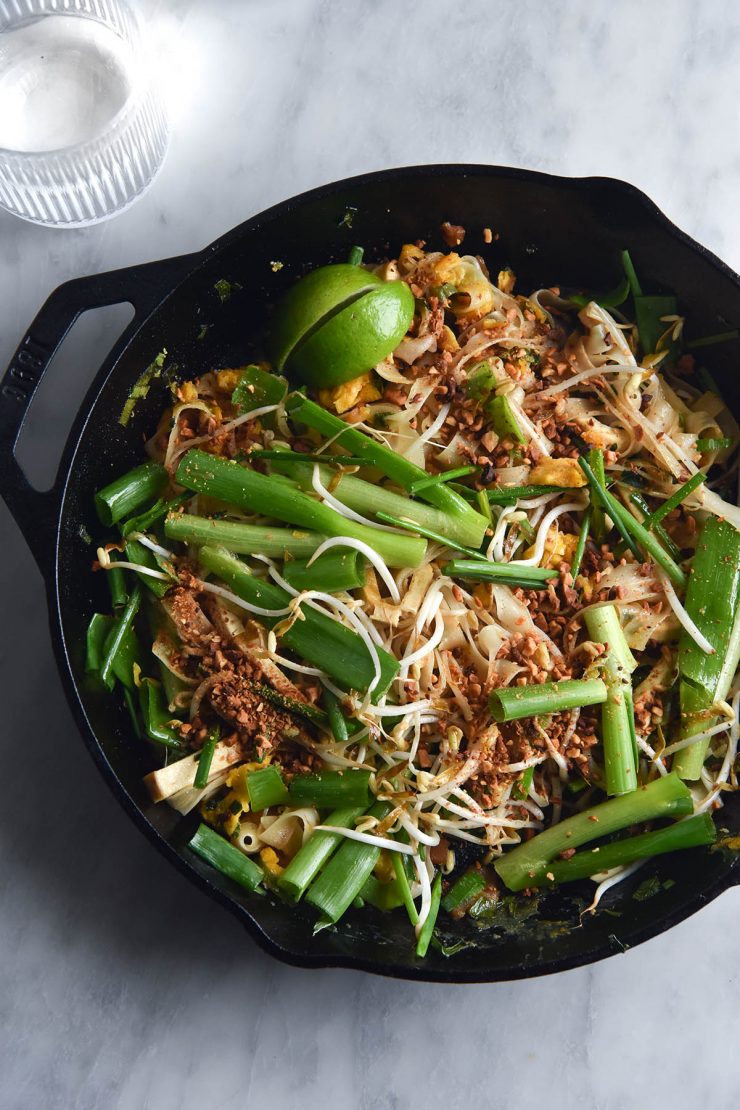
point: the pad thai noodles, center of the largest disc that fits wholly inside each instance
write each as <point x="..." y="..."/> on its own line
<point x="462" y="624"/>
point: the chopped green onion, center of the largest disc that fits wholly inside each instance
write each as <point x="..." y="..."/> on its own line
<point x="337" y="720"/>
<point x="137" y="553"/>
<point x="604" y="628"/>
<point x="596" y="462"/>
<point x="632" y="531"/>
<point x="332" y="572"/>
<point x="402" y="878"/>
<point x="244" y="539"/>
<point x="427" y="533"/>
<point x="427" y="928"/>
<point x="285" y="455"/>
<point x="298" y="708"/>
<point x="99" y="637"/>
<point x="257" y="388"/>
<point x="445" y="476"/>
<point x="334" y="891"/>
<point x="266" y="788"/>
<point x="226" y="858"/>
<point x="481" y="381"/>
<point x="311" y="857"/>
<point x="710" y="340"/>
<point x="620" y="756"/>
<point x="508" y="495"/>
<point x="327" y="789"/>
<point x="500" y="413"/>
<point x="160" y="509"/>
<point x="318" y="639"/>
<point x="98" y="631"/>
<point x="128" y="654"/>
<point x="575" y="566"/>
<point x="130" y="492"/>
<point x="373" y="500"/>
<point x="157" y="717"/>
<point x="130" y="703"/>
<point x="691" y="833"/>
<point x="257" y="493"/>
<point x="203" y="770"/>
<point x="649" y="313"/>
<point x="511" y="703"/>
<point x="467" y="886"/>
<point x="384" y="896"/>
<point x="612" y="299"/>
<point x="631" y="274"/>
<point x="471" y="526"/>
<point x="713" y="604"/>
<point x="444" y="292"/>
<point x="115" y="641"/>
<point x="116" y="580"/>
<point x="675" y="499"/>
<point x="355" y="256"/>
<point x="649" y="310"/>
<point x="484" y="505"/>
<point x="649" y="522"/>
<point x="522" y="788"/>
<point x="722" y="444"/>
<point x="529" y="578"/>
<point x="529" y="863"/>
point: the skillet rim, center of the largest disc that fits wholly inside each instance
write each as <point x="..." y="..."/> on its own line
<point x="191" y="264"/>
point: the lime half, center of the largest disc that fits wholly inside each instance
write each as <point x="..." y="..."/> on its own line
<point x="337" y="322"/>
<point x="312" y="299"/>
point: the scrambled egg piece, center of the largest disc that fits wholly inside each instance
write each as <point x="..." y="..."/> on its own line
<point x="236" y="780"/>
<point x="410" y="256"/>
<point x="447" y="340"/>
<point x="270" y="862"/>
<point x="344" y="397"/>
<point x="529" y="306"/>
<point x="557" y="472"/>
<point x="384" y="870"/>
<point x="228" y="380"/>
<point x="226" y="812"/>
<point x="450" y="268"/>
<point x="187" y="391"/>
<point x="506" y="280"/>
<point x="559" y="548"/>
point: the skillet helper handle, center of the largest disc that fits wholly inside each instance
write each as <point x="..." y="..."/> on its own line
<point x="141" y="286"/>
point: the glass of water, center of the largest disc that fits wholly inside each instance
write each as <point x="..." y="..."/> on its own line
<point x="82" y="129"/>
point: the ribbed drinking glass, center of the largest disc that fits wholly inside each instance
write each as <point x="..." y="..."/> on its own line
<point x="82" y="128"/>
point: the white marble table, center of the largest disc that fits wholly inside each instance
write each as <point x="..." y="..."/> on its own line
<point x="120" y="985"/>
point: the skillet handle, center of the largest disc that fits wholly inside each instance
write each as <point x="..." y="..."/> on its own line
<point x="141" y="286"/>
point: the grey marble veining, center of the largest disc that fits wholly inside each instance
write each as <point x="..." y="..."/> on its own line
<point x="120" y="985"/>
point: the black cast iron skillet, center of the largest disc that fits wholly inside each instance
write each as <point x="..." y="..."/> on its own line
<point x="551" y="231"/>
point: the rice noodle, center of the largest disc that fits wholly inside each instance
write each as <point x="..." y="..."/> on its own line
<point x="683" y="617"/>
<point x="368" y="838"/>
<point x="539" y="546"/>
<point x="339" y="507"/>
<point x="364" y="549"/>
